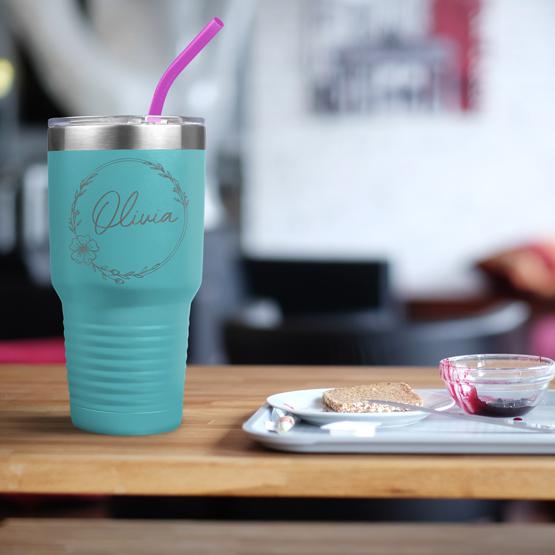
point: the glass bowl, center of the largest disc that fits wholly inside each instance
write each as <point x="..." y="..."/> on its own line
<point x="497" y="385"/>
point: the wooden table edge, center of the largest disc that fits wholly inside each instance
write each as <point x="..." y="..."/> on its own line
<point x="320" y="476"/>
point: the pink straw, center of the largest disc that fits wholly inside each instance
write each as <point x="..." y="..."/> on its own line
<point x="180" y="63"/>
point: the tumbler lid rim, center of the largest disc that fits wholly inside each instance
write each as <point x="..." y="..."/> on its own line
<point x="124" y="120"/>
<point x="126" y="133"/>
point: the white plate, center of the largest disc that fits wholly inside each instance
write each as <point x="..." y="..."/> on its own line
<point x="308" y="405"/>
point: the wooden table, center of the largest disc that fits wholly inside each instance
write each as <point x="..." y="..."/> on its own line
<point x="40" y="451"/>
<point x="104" y="537"/>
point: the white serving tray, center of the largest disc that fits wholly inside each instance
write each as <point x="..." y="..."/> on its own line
<point x="435" y="434"/>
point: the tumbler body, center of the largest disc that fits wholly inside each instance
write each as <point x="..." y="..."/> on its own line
<point x="126" y="211"/>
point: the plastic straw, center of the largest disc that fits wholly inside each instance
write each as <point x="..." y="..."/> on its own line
<point x="180" y="63"/>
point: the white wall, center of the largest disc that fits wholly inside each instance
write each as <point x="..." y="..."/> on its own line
<point x="432" y="194"/>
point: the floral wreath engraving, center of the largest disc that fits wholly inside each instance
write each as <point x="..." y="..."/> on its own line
<point x="85" y="249"/>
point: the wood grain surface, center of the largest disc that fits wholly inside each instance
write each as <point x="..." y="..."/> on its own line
<point x="105" y="537"/>
<point x="41" y="452"/>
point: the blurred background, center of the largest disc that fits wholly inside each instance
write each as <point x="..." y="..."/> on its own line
<point x="379" y="172"/>
<point x="380" y="181"/>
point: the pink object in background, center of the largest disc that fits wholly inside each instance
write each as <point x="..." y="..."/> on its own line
<point x="180" y="63"/>
<point x="542" y="336"/>
<point x="33" y="351"/>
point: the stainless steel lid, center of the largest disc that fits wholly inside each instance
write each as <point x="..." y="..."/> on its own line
<point x="126" y="133"/>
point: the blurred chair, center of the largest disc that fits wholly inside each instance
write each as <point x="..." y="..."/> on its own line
<point x="321" y="286"/>
<point x="261" y="335"/>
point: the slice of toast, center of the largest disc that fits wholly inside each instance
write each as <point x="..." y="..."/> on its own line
<point x="359" y="397"/>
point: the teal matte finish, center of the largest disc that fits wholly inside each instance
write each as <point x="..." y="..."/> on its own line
<point x="126" y="240"/>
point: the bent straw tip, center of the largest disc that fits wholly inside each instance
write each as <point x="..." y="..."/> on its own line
<point x="180" y="63"/>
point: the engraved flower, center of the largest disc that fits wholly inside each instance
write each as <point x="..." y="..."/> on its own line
<point x="83" y="249"/>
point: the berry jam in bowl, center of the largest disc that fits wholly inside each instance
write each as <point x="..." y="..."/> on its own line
<point x="497" y="385"/>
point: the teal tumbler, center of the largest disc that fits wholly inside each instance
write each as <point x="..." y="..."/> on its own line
<point x="126" y="212"/>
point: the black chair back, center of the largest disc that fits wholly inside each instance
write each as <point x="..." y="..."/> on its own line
<point x="320" y="286"/>
<point x="263" y="337"/>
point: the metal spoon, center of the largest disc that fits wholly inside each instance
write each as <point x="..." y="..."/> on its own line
<point x="518" y="424"/>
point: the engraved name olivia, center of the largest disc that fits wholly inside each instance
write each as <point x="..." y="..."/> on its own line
<point x="110" y="212"/>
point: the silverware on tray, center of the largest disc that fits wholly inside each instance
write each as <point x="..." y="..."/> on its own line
<point x="280" y="421"/>
<point x="514" y="424"/>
